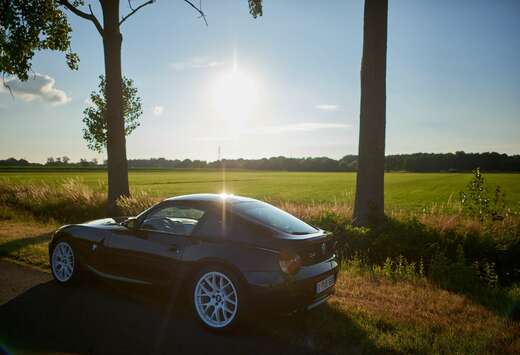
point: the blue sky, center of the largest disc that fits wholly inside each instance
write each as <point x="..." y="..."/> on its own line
<point x="453" y="81"/>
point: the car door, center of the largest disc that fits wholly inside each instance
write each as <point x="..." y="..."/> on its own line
<point x="152" y="253"/>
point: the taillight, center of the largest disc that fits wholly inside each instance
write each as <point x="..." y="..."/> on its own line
<point x="290" y="262"/>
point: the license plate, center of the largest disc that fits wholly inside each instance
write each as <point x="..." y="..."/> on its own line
<point x="325" y="284"/>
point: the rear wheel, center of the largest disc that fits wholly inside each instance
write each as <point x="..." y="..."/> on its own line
<point x="217" y="298"/>
<point x="63" y="263"/>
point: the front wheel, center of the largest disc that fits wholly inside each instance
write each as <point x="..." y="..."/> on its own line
<point x="217" y="298"/>
<point x="63" y="263"/>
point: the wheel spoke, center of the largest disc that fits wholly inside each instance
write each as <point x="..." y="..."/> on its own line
<point x="228" y="299"/>
<point x="213" y="315"/>
<point x="205" y="290"/>
<point x="213" y="283"/>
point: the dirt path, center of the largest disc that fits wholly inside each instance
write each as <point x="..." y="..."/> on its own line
<point x="16" y="279"/>
<point x="40" y="316"/>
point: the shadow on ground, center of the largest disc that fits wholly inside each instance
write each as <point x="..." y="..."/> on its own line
<point x="12" y="246"/>
<point x="104" y="318"/>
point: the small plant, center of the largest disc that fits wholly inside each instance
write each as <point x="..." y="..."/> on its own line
<point x="396" y="269"/>
<point x="388" y="268"/>
<point x="421" y="267"/>
<point x="488" y="275"/>
<point x="475" y="200"/>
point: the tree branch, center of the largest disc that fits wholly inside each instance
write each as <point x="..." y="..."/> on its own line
<point x="78" y="12"/>
<point x="198" y="9"/>
<point x="7" y="86"/>
<point x="135" y="10"/>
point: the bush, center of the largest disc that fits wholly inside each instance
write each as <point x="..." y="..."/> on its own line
<point x="492" y="248"/>
<point x="475" y="200"/>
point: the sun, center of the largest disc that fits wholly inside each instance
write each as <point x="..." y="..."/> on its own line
<point x="235" y="95"/>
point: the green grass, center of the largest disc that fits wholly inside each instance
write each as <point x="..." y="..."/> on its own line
<point x="403" y="191"/>
<point x="371" y="312"/>
<point x="24" y="239"/>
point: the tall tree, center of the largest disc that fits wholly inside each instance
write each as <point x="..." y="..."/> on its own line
<point x="369" y="203"/>
<point x="30" y="25"/>
<point x="112" y="38"/>
<point x="94" y="117"/>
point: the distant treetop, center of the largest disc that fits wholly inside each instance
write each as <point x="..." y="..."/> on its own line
<point x="417" y="162"/>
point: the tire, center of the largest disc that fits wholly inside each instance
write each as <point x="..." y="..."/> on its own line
<point x="218" y="298"/>
<point x="64" y="263"/>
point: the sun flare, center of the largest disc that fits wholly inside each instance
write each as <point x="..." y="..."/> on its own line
<point x="235" y="95"/>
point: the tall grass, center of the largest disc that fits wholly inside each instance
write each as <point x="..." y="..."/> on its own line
<point x="69" y="202"/>
<point x="426" y="236"/>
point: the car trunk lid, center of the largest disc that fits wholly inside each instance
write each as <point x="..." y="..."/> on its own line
<point x="312" y="248"/>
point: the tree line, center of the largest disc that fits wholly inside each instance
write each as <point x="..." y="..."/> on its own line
<point x="417" y="162"/>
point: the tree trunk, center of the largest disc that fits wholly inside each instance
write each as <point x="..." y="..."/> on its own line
<point x="116" y="142"/>
<point x="369" y="204"/>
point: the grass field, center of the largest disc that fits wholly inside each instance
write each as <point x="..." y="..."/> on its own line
<point x="403" y="191"/>
<point x="374" y="310"/>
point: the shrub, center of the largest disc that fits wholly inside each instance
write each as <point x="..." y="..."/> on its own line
<point x="475" y="200"/>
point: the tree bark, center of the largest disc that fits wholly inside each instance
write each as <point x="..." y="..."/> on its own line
<point x="369" y="203"/>
<point x="116" y="141"/>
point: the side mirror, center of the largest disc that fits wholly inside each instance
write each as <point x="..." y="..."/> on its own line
<point x="131" y="223"/>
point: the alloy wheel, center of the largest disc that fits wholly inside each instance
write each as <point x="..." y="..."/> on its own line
<point x="216" y="299"/>
<point x="63" y="262"/>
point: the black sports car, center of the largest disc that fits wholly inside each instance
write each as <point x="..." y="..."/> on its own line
<point x="230" y="253"/>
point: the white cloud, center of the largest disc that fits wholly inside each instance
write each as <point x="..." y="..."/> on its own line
<point x="158" y="110"/>
<point x="196" y="63"/>
<point x="327" y="107"/>
<point x="38" y="87"/>
<point x="3" y="106"/>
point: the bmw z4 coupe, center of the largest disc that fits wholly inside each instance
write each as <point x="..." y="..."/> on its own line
<point x="230" y="254"/>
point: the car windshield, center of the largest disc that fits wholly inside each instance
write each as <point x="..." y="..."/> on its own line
<point x="273" y="217"/>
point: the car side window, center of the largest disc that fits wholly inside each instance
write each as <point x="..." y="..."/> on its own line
<point x="180" y="220"/>
<point x="212" y="225"/>
<point x="240" y="227"/>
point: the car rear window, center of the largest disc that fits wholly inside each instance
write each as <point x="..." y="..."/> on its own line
<point x="273" y="217"/>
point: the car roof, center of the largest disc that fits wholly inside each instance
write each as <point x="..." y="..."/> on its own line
<point x="216" y="198"/>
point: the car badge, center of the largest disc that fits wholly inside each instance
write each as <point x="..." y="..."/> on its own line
<point x="94" y="247"/>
